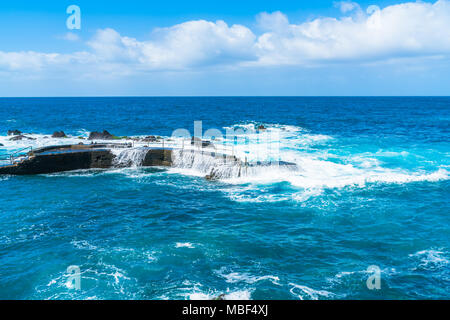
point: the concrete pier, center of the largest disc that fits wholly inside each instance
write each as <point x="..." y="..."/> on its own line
<point x="63" y="158"/>
<point x="75" y="157"/>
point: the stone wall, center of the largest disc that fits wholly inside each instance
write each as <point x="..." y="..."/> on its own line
<point x="158" y="157"/>
<point x="59" y="162"/>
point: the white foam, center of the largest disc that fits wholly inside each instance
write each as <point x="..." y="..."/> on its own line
<point x="39" y="140"/>
<point x="234" y="277"/>
<point x="83" y="245"/>
<point x="196" y="291"/>
<point x="129" y="157"/>
<point x="431" y="258"/>
<point x="184" y="245"/>
<point x="303" y="292"/>
<point x="229" y="295"/>
<point x="313" y="171"/>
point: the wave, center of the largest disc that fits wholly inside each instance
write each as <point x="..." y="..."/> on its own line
<point x="229" y="295"/>
<point x="313" y="168"/>
<point x="431" y="259"/>
<point x="234" y="277"/>
<point x="184" y="245"/>
<point x="195" y="291"/>
<point x="304" y="292"/>
<point x="125" y="158"/>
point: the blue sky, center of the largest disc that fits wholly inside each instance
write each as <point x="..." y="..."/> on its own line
<point x="225" y="48"/>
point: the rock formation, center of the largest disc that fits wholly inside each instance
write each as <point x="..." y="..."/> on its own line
<point x="105" y="135"/>
<point x="20" y="137"/>
<point x="14" y="133"/>
<point x="204" y="143"/>
<point x="58" y="134"/>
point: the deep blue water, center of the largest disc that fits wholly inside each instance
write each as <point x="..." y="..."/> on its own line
<point x="372" y="188"/>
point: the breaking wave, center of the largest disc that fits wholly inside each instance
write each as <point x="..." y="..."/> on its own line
<point x="125" y="158"/>
<point x="431" y="259"/>
<point x="304" y="292"/>
<point x="308" y="162"/>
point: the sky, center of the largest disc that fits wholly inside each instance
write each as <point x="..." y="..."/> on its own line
<point x="225" y="48"/>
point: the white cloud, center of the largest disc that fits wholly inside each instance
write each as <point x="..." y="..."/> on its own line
<point x="275" y="22"/>
<point x="36" y="61"/>
<point x="70" y="36"/>
<point x="408" y="30"/>
<point x="347" y="6"/>
<point x="193" y="43"/>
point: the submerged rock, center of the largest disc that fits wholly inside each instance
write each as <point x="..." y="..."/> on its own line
<point x="1" y="145"/>
<point x="105" y="135"/>
<point x="58" y="134"/>
<point x="14" y="133"/>
<point x="20" y="137"/>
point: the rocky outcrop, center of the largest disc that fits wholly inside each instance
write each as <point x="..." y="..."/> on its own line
<point x="58" y="134"/>
<point x="20" y="137"/>
<point x="14" y="133"/>
<point x="1" y="145"/>
<point x="261" y="128"/>
<point x="105" y="135"/>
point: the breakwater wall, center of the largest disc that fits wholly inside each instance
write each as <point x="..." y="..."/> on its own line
<point x="76" y="157"/>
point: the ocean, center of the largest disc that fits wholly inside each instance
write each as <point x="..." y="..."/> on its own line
<point x="370" y="189"/>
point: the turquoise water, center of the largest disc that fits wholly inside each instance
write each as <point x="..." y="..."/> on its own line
<point x="370" y="187"/>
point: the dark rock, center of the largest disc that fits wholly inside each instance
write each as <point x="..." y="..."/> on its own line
<point x="14" y="133"/>
<point x="105" y="135"/>
<point x="61" y="161"/>
<point x="150" y="139"/>
<point x="195" y="139"/>
<point x="212" y="175"/>
<point x="1" y="145"/>
<point x="204" y="143"/>
<point x="261" y="128"/>
<point x="20" y="137"/>
<point x="220" y="297"/>
<point x="58" y="134"/>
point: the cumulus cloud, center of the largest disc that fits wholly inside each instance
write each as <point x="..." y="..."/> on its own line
<point x="189" y="44"/>
<point x="408" y="30"/>
<point x="273" y="22"/>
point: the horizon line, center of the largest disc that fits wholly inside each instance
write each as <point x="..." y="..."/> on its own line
<point x="231" y="96"/>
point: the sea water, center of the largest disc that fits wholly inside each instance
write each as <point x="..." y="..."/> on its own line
<point x="370" y="187"/>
